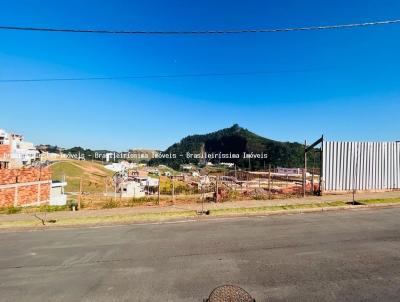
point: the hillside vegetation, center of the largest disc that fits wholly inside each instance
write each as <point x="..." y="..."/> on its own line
<point x="235" y="140"/>
<point x="93" y="174"/>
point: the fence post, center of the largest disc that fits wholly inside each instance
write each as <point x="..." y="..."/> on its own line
<point x="159" y="182"/>
<point x="16" y="196"/>
<point x="269" y="181"/>
<point x="173" y="189"/>
<point x="80" y="193"/>
<point x="305" y="169"/>
<point x="216" y="189"/>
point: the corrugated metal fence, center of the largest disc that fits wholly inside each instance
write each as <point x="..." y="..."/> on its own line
<point x="360" y="165"/>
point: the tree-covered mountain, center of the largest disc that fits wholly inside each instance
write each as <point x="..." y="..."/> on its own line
<point x="234" y="140"/>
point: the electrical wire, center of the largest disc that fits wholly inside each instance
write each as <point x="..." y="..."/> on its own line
<point x="200" y="32"/>
<point x="165" y="76"/>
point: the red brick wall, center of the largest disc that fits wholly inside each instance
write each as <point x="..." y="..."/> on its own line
<point x="4" y="151"/>
<point x="45" y="191"/>
<point x="26" y="194"/>
<point x="7" y="197"/>
<point x="10" y="176"/>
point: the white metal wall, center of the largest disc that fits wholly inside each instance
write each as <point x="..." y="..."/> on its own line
<point x="360" y="165"/>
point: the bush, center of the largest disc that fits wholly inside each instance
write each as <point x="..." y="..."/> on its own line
<point x="72" y="203"/>
<point x="260" y="197"/>
<point x="111" y="204"/>
<point x="10" y="210"/>
<point x="49" y="208"/>
<point x="141" y="200"/>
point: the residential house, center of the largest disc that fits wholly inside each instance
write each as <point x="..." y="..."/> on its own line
<point x="15" y="152"/>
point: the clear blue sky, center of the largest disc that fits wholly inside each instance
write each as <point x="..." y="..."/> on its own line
<point x="346" y="85"/>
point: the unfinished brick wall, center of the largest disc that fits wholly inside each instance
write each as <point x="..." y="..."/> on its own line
<point x="27" y="191"/>
<point x="7" y="197"/>
<point x="11" y="176"/>
<point x="8" y="176"/>
<point x="4" y="151"/>
<point x="33" y="174"/>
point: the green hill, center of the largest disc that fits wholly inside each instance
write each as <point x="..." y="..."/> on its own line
<point x="235" y="140"/>
<point x="94" y="175"/>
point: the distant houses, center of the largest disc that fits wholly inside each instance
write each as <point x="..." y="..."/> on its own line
<point x="21" y="183"/>
<point x="289" y="171"/>
<point x="120" y="166"/>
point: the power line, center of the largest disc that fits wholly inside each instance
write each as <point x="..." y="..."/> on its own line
<point x="200" y="32"/>
<point x="162" y="76"/>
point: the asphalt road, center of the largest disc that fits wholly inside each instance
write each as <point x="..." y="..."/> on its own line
<point x="335" y="256"/>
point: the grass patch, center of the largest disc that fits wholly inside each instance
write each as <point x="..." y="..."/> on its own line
<point x="161" y="216"/>
<point x="264" y="209"/>
<point x="48" y="208"/>
<point x="111" y="204"/>
<point x="10" y="210"/>
<point x="104" y="219"/>
<point x="42" y="208"/>
<point x="380" y="200"/>
<point x="94" y="175"/>
<point x="133" y="202"/>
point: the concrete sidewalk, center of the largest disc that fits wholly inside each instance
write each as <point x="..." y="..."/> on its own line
<point x="197" y="206"/>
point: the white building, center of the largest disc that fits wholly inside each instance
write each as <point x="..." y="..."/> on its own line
<point x="57" y="196"/>
<point x="187" y="167"/>
<point x="289" y="171"/>
<point x="229" y="165"/>
<point x="146" y="181"/>
<point x="20" y="152"/>
<point x="131" y="189"/>
<point x="4" y="137"/>
<point x="121" y="166"/>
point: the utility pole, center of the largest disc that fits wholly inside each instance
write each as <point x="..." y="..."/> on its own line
<point x="173" y="189"/>
<point x="115" y="189"/>
<point x="159" y="182"/>
<point x="106" y="181"/>
<point x="269" y="181"/>
<point x="313" y="172"/>
<point x="80" y="193"/>
<point x="216" y="189"/>
<point x="202" y="197"/>
<point x="305" y="169"/>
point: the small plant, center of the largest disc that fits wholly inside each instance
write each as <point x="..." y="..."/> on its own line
<point x="49" y="208"/>
<point x="71" y="204"/>
<point x="110" y="204"/>
<point x="141" y="200"/>
<point x="260" y="197"/>
<point x="13" y="210"/>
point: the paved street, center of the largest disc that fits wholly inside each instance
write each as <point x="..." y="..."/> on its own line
<point x="335" y="256"/>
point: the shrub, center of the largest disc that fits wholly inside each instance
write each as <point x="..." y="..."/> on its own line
<point x="13" y="210"/>
<point x="72" y="203"/>
<point x="49" y="208"/>
<point x="109" y="204"/>
<point x="141" y="200"/>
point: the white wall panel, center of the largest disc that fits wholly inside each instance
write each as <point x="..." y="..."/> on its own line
<point x="361" y="165"/>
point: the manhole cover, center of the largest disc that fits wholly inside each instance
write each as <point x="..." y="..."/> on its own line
<point x="229" y="293"/>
